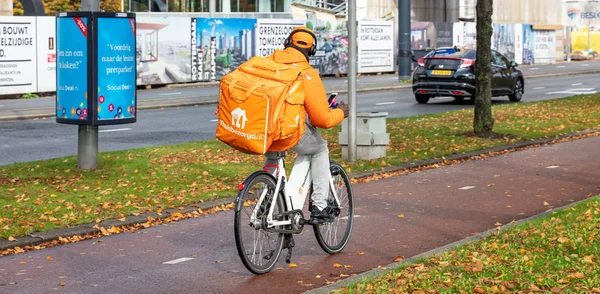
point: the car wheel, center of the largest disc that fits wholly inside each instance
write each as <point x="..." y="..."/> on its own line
<point x="422" y="99"/>
<point x="518" y="91"/>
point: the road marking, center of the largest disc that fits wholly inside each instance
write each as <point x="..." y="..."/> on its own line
<point x="539" y="88"/>
<point x="466" y="188"/>
<point x="178" y="260"/>
<point x="534" y="68"/>
<point x="560" y="66"/>
<point x="585" y="65"/>
<point x="576" y="84"/>
<point x="553" y="166"/>
<point x="385" y="103"/>
<point x="170" y="94"/>
<point x="114" y="130"/>
<point x="580" y="91"/>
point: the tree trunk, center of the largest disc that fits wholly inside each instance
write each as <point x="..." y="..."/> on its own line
<point x="483" y="122"/>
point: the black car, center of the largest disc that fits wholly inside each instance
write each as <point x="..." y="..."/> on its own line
<point x="453" y="75"/>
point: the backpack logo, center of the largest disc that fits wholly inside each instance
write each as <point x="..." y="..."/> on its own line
<point x="238" y="118"/>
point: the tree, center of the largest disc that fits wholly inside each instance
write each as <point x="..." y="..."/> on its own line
<point x="309" y="25"/>
<point x="483" y="122"/>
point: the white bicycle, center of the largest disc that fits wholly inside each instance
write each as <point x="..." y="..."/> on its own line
<point x="265" y="221"/>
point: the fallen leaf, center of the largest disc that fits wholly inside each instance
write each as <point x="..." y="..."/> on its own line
<point x="344" y="275"/>
<point x="478" y="290"/>
<point x="401" y="215"/>
<point x="347" y="266"/>
<point x="361" y="253"/>
<point x="318" y="276"/>
<point x="588" y="259"/>
<point x="123" y="219"/>
<point x="398" y="258"/>
<point x="11" y="239"/>
<point x="497" y="224"/>
<point x="293" y="265"/>
<point x="62" y="284"/>
<point x="337" y="265"/>
<point x="49" y="257"/>
<point x="22" y="262"/>
<point x="563" y="240"/>
<point x="177" y="215"/>
<point x="546" y="203"/>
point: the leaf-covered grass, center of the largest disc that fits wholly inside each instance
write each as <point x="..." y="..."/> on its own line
<point x="558" y="253"/>
<point x="48" y="194"/>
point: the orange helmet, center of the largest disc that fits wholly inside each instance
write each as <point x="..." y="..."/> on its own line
<point x="303" y="38"/>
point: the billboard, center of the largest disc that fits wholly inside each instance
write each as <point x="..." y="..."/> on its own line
<point x="221" y="45"/>
<point x="464" y="35"/>
<point x="46" y="54"/>
<point x="17" y="55"/>
<point x="503" y="40"/>
<point x="163" y="50"/>
<point x="116" y="68"/>
<point x="332" y="47"/>
<point x="72" y="70"/>
<point x="270" y="34"/>
<point x="375" y="46"/>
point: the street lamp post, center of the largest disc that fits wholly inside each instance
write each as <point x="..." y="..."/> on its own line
<point x="352" y="60"/>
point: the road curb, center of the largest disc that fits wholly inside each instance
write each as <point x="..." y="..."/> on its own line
<point x="379" y="271"/>
<point x="36" y="238"/>
<point x="562" y="74"/>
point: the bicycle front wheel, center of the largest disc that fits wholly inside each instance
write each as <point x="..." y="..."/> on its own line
<point x="259" y="248"/>
<point x="334" y="236"/>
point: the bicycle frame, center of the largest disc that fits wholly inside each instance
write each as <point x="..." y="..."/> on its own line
<point x="295" y="191"/>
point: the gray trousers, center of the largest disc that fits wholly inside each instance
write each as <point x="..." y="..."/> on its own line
<point x="314" y="145"/>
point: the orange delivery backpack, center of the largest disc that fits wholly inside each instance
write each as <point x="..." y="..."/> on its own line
<point x="260" y="102"/>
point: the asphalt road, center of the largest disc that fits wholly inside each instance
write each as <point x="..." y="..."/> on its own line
<point x="28" y="140"/>
<point x="440" y="206"/>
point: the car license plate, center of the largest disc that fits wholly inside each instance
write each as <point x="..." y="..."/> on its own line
<point x="438" y="72"/>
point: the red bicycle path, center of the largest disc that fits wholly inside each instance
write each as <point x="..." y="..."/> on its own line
<point x="439" y="206"/>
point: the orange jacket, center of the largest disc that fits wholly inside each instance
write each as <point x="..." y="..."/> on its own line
<point x="315" y="103"/>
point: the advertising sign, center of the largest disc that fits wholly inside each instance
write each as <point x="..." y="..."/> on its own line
<point x="581" y="13"/>
<point x="163" y="50"/>
<point x="545" y="46"/>
<point x="46" y="53"/>
<point x="17" y="55"/>
<point x="116" y="68"/>
<point x="503" y="40"/>
<point x="72" y="69"/>
<point x="222" y="44"/>
<point x="375" y="46"/>
<point x="270" y="34"/>
<point x="332" y="46"/>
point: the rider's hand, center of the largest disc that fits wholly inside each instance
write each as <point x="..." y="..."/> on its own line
<point x="344" y="107"/>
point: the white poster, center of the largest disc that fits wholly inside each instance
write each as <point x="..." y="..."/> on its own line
<point x="375" y="46"/>
<point x="465" y="35"/>
<point x="518" y="43"/>
<point x="163" y="47"/>
<point x="17" y="55"/>
<point x="545" y="48"/>
<point x="46" y="54"/>
<point x="270" y="34"/>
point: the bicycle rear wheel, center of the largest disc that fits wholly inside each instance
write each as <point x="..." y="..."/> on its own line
<point x="259" y="249"/>
<point x="333" y="237"/>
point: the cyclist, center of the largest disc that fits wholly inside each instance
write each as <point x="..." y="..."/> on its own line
<point x="300" y="44"/>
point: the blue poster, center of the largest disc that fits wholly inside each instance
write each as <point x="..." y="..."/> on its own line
<point x="71" y="69"/>
<point x="528" y="44"/>
<point x="222" y="44"/>
<point x="116" y="68"/>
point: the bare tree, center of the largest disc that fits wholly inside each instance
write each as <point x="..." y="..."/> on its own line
<point x="483" y="122"/>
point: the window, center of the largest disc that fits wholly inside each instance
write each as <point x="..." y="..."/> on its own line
<point x="245" y="6"/>
<point x="499" y="60"/>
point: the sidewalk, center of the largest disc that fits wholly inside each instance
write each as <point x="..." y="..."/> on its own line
<point x="439" y="206"/>
<point x="180" y="95"/>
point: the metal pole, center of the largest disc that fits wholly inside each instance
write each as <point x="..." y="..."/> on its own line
<point x="212" y="7"/>
<point x="87" y="136"/>
<point x="122" y="5"/>
<point x="352" y="60"/>
<point x="588" y="46"/>
<point x="568" y="40"/>
<point x="404" y="60"/>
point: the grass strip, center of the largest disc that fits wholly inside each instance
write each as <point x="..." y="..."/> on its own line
<point x="557" y="253"/>
<point x="43" y="195"/>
